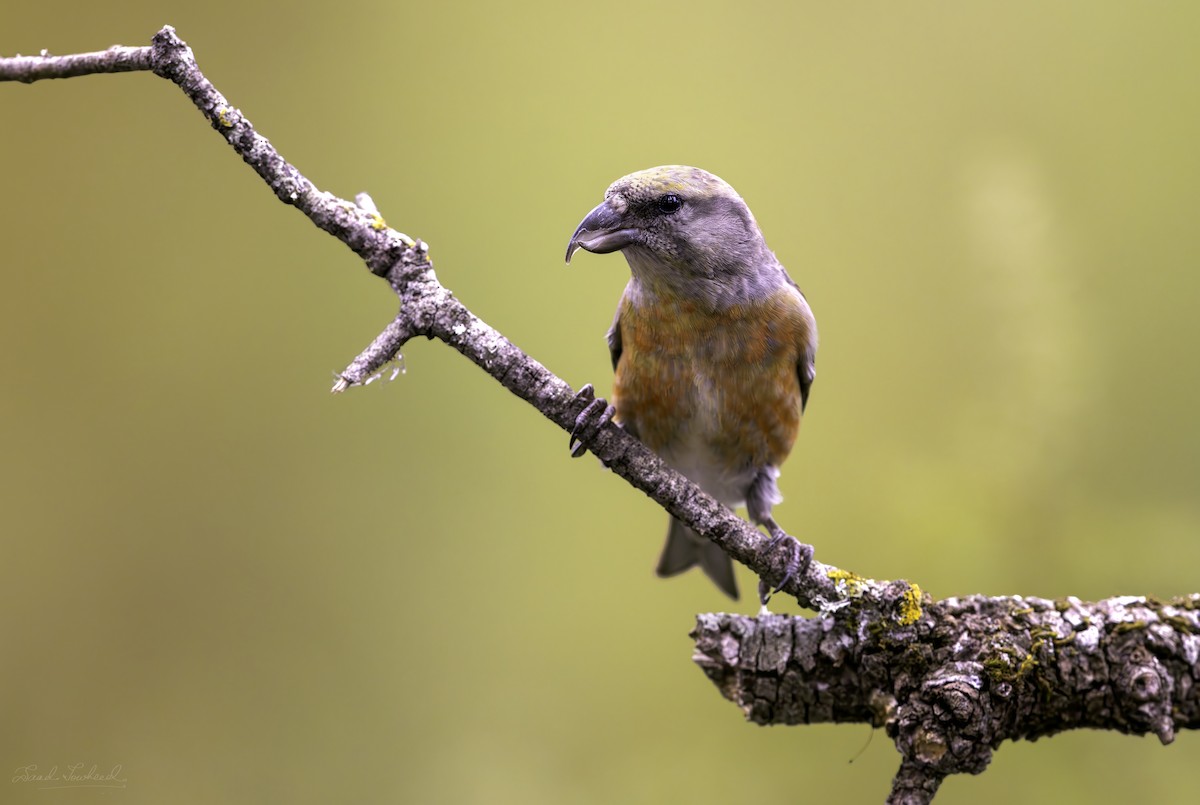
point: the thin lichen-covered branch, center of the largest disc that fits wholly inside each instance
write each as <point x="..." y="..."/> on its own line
<point x="428" y="309"/>
<point x="949" y="680"/>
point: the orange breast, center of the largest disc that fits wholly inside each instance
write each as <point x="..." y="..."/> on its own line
<point x="726" y="379"/>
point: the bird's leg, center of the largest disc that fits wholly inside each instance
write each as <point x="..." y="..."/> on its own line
<point x="762" y="496"/>
<point x="595" y="415"/>
<point x="801" y="556"/>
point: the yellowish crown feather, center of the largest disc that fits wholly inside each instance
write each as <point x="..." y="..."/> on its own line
<point x="682" y="179"/>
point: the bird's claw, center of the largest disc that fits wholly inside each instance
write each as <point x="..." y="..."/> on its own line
<point x="595" y="415"/>
<point x="797" y="565"/>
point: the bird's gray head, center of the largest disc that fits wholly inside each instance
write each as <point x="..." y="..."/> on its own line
<point x="677" y="226"/>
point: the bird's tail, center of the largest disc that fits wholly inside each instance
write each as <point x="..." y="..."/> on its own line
<point x="685" y="548"/>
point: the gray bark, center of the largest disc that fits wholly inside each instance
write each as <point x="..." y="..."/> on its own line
<point x="966" y="674"/>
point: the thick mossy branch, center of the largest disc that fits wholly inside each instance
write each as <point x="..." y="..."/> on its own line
<point x="967" y="673"/>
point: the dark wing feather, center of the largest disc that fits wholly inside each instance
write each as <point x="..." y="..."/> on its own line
<point x="806" y="369"/>
<point x="614" y="349"/>
<point x="614" y="339"/>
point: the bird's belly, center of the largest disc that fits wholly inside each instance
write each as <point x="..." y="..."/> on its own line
<point x="711" y="413"/>
<point x="698" y="450"/>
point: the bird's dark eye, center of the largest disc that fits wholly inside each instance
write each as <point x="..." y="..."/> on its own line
<point x="669" y="203"/>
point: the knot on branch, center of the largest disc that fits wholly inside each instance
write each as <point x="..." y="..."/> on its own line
<point x="170" y="56"/>
<point x="410" y="272"/>
<point x="1144" y="693"/>
<point x="945" y="727"/>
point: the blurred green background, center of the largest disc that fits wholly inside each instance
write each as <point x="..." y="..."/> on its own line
<point x="243" y="589"/>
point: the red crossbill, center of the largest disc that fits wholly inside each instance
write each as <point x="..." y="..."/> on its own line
<point x="713" y="346"/>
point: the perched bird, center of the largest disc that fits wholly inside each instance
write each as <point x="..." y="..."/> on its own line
<point x="713" y="346"/>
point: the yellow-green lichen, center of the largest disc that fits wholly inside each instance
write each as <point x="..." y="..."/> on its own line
<point x="1128" y="626"/>
<point x="910" y="606"/>
<point x="851" y="583"/>
<point x="1007" y="665"/>
<point x="1040" y="633"/>
<point x="999" y="669"/>
<point x="223" y="116"/>
<point x="377" y="222"/>
<point x="1180" y="624"/>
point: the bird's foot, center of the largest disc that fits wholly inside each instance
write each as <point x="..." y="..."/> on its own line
<point x="800" y="556"/>
<point x="595" y="415"/>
